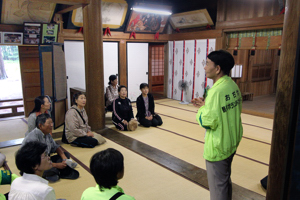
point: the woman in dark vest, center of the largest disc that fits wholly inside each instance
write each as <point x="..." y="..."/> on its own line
<point x="145" y="108"/>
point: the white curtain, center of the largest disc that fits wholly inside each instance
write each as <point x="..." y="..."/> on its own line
<point x="188" y="57"/>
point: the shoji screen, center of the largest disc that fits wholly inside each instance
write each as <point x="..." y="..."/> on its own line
<point x="74" y="54"/>
<point x="137" y="68"/>
<point x="186" y="62"/>
<point x="110" y="59"/>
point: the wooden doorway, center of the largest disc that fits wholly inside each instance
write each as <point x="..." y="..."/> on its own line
<point x="156" y="69"/>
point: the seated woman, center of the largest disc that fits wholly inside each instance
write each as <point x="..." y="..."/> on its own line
<point x="122" y="115"/>
<point x="32" y="160"/>
<point x="111" y="92"/>
<point x="145" y="108"/>
<point x="77" y="129"/>
<point x="107" y="167"/>
<point x="41" y="105"/>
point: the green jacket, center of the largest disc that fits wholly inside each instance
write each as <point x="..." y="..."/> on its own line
<point x="221" y="117"/>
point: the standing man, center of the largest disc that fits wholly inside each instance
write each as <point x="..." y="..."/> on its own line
<point x="220" y="115"/>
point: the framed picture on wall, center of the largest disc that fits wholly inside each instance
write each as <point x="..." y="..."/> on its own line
<point x="49" y="34"/>
<point x="32" y="33"/>
<point x="191" y="19"/>
<point x="141" y="22"/>
<point x="15" y="38"/>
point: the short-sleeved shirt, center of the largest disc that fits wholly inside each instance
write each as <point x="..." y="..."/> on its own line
<point x="31" y="186"/>
<point x="38" y="135"/>
<point x="95" y="193"/>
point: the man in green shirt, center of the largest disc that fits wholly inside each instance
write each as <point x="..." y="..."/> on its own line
<point x="220" y="115"/>
<point x="107" y="167"/>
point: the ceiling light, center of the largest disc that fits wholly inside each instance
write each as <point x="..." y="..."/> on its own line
<point x="146" y="10"/>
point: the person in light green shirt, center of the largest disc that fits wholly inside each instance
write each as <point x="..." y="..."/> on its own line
<point x="107" y="167"/>
<point x="220" y="115"/>
<point x="6" y="177"/>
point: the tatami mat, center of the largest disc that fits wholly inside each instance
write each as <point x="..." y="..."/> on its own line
<point x="143" y="179"/>
<point x="12" y="129"/>
<point x="180" y="136"/>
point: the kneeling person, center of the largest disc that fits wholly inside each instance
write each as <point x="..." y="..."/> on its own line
<point x="145" y="108"/>
<point x="62" y="165"/>
<point x="77" y="130"/>
<point x="122" y="115"/>
<point x="107" y="167"/>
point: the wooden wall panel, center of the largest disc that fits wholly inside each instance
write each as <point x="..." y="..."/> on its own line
<point x="246" y="9"/>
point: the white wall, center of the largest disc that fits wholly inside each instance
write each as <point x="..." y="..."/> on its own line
<point x="75" y="65"/>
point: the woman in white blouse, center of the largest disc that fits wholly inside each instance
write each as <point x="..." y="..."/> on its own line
<point x="32" y="160"/>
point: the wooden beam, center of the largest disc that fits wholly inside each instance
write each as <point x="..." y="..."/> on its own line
<point x="68" y="9"/>
<point x="196" y="35"/>
<point x="68" y="2"/>
<point x="283" y="130"/>
<point x="11" y="28"/>
<point x="94" y="72"/>
<point x="122" y="63"/>
<point x="252" y="22"/>
<point x="221" y="10"/>
<point x="72" y="34"/>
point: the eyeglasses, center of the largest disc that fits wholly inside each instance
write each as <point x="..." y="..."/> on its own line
<point x="45" y="155"/>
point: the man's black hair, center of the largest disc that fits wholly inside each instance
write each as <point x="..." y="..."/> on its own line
<point x="222" y="58"/>
<point x="143" y="85"/>
<point x="105" y="166"/>
<point x="29" y="155"/>
<point x="41" y="119"/>
<point x="120" y="87"/>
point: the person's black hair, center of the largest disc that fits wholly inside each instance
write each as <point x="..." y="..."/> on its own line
<point x="76" y="95"/>
<point x="41" y="119"/>
<point x="38" y="102"/>
<point x="112" y="78"/>
<point x="143" y="85"/>
<point x="29" y="155"/>
<point x="120" y="87"/>
<point x="105" y="166"/>
<point x="222" y="58"/>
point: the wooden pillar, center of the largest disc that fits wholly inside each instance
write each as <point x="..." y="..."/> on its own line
<point x="279" y="166"/>
<point x="93" y="54"/>
<point x="123" y="63"/>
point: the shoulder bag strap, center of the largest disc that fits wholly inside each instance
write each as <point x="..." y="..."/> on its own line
<point x="80" y="115"/>
<point x="117" y="195"/>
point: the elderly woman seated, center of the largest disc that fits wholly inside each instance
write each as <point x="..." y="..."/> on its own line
<point x="77" y="130"/>
<point x="62" y="165"/>
<point x="32" y="160"/>
<point x="122" y="116"/>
